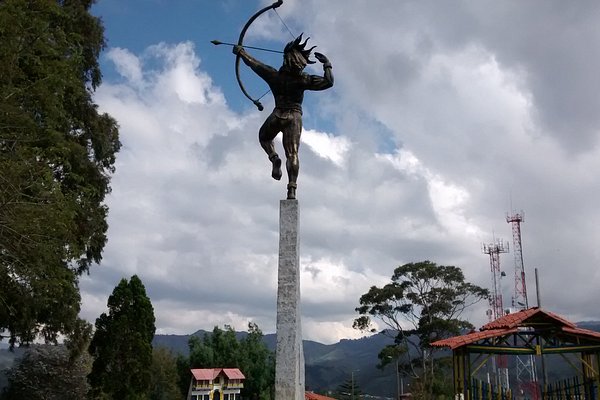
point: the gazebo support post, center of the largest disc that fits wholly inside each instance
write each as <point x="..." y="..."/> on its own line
<point x="458" y="363"/>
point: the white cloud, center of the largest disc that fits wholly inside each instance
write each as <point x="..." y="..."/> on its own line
<point x="327" y="146"/>
<point x="439" y="117"/>
<point x="126" y="63"/>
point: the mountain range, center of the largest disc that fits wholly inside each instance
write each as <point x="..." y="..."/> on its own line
<point x="328" y="366"/>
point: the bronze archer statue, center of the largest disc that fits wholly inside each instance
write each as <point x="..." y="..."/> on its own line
<point x="287" y="85"/>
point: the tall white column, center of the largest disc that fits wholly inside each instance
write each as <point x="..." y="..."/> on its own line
<point x="289" y="367"/>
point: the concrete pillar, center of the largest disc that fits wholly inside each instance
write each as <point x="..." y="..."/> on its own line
<point x="289" y="358"/>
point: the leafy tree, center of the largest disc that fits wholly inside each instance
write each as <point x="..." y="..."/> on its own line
<point x="225" y="347"/>
<point x="122" y="344"/>
<point x="222" y="349"/>
<point x="163" y="384"/>
<point x="258" y="365"/>
<point x="49" y="372"/>
<point x="219" y="349"/>
<point x="57" y="153"/>
<point x="183" y="373"/>
<point x="422" y="303"/>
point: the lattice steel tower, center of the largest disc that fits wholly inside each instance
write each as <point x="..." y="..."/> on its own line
<point x="519" y="300"/>
<point x="525" y="371"/>
<point x="499" y="362"/>
<point x="494" y="250"/>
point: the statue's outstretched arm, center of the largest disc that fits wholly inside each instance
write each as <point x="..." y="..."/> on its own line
<point x="263" y="70"/>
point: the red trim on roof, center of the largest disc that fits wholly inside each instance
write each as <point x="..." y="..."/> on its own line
<point x="582" y="332"/>
<point x="314" y="396"/>
<point x="459" y="341"/>
<point x="559" y="318"/>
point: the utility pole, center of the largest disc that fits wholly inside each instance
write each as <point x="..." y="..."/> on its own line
<point x="399" y="379"/>
<point x="399" y="384"/>
<point x="353" y="388"/>
<point x="352" y="384"/>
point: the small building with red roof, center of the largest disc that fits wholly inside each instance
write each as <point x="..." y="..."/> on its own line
<point x="216" y="384"/>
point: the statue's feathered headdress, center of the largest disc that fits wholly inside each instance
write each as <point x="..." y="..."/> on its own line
<point x="300" y="48"/>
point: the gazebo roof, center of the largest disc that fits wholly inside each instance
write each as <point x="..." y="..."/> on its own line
<point x="522" y="321"/>
<point x="460" y="341"/>
<point x="529" y="317"/>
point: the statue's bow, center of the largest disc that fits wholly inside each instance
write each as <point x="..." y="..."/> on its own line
<point x="241" y="43"/>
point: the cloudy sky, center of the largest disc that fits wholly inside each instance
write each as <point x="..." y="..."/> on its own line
<point x="444" y="117"/>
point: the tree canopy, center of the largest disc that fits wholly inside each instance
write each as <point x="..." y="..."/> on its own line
<point x="223" y="349"/>
<point x="163" y="384"/>
<point x="258" y="365"/>
<point x="57" y="153"/>
<point x="122" y="344"/>
<point x="422" y="303"/>
<point x="49" y="372"/>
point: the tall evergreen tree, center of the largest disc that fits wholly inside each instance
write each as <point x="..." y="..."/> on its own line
<point x="349" y="390"/>
<point x="57" y="153"/>
<point x="122" y="344"/>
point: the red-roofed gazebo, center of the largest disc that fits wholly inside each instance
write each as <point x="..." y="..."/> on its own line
<point x="535" y="333"/>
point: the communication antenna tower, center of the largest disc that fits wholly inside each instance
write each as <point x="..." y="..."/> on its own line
<point x="519" y="300"/>
<point x="525" y="371"/>
<point x="494" y="250"/>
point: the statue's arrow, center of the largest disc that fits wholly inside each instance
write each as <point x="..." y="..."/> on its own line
<point x="218" y="42"/>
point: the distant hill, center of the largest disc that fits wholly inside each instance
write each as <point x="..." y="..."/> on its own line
<point x="327" y="366"/>
<point x="591" y="325"/>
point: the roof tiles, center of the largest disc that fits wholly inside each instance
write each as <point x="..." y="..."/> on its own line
<point x="204" y="374"/>
<point x="520" y="319"/>
<point x="582" y="332"/>
<point x="233" y="373"/>
<point x="459" y="341"/>
<point x="511" y="323"/>
<point x="209" y="374"/>
<point x="511" y="320"/>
